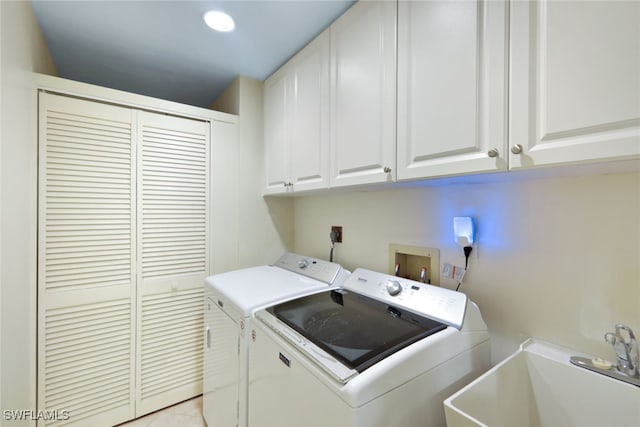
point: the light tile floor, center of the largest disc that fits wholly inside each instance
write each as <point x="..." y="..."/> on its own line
<point x="185" y="414"/>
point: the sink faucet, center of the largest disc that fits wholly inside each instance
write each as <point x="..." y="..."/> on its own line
<point x="624" y="343"/>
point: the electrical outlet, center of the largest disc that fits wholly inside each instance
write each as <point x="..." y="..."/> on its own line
<point x="339" y="230"/>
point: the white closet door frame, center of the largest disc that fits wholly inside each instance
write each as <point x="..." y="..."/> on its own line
<point x="223" y="124"/>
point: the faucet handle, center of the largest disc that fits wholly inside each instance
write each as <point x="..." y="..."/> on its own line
<point x="629" y="333"/>
<point x="631" y="343"/>
<point x="626" y="349"/>
<point x="620" y="347"/>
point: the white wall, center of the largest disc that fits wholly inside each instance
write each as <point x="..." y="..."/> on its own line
<point x="265" y="225"/>
<point x="558" y="259"/>
<point x="22" y="51"/>
<point x="1" y="345"/>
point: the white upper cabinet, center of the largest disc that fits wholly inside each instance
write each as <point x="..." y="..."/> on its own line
<point x="575" y="82"/>
<point x="276" y="91"/>
<point x="310" y="116"/>
<point x="297" y="121"/>
<point x="452" y="58"/>
<point x="363" y="88"/>
<point x="481" y="86"/>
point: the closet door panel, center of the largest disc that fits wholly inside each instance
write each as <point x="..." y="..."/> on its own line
<point x="86" y="251"/>
<point x="171" y="349"/>
<point x="173" y="257"/>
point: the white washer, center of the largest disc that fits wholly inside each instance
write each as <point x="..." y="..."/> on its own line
<point x="230" y="300"/>
<point x="377" y="351"/>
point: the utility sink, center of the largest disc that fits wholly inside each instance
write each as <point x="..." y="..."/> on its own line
<point x="538" y="387"/>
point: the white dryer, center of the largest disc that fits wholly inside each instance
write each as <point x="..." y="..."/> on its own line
<point x="378" y="351"/>
<point x="230" y="300"/>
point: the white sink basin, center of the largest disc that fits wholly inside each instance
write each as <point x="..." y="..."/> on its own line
<point x="538" y="387"/>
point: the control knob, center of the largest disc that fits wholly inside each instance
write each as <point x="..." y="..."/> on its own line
<point x="394" y="287"/>
<point x="303" y="263"/>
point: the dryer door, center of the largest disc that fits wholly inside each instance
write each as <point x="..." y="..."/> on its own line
<point x="221" y="368"/>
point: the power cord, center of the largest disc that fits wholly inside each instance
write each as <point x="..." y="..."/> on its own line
<point x="333" y="236"/>
<point x="467" y="252"/>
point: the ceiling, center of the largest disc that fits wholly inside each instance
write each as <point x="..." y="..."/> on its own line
<point x="164" y="49"/>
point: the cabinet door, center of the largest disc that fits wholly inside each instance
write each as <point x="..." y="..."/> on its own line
<point x="363" y="87"/>
<point x="173" y="257"/>
<point x="277" y="90"/>
<point x="451" y="87"/>
<point x="86" y="260"/>
<point x="309" y="124"/>
<point x="574" y="81"/>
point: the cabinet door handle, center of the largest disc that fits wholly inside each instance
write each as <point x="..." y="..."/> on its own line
<point x="516" y="149"/>
<point x="493" y="153"/>
<point x="208" y="338"/>
<point x="387" y="169"/>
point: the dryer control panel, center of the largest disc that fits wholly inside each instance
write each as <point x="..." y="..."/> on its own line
<point x="317" y="269"/>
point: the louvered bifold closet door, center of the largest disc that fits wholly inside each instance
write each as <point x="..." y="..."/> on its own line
<point x="86" y="255"/>
<point x="173" y="251"/>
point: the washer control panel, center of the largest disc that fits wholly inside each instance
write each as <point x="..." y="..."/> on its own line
<point x="318" y="269"/>
<point x="443" y="305"/>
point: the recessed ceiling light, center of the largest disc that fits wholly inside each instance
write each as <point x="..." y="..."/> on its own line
<point x="219" y="21"/>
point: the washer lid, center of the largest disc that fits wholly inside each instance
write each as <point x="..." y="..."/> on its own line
<point x="356" y="330"/>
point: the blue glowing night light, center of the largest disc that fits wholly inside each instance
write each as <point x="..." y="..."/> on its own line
<point x="464" y="230"/>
